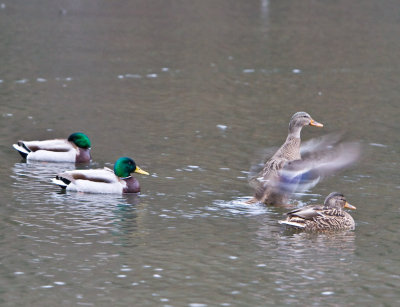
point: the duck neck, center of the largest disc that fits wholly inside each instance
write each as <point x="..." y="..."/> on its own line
<point x="291" y="148"/>
<point x="83" y="155"/>
<point x="132" y="185"/>
<point x="295" y="132"/>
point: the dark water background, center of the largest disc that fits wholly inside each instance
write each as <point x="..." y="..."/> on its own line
<point x="193" y="91"/>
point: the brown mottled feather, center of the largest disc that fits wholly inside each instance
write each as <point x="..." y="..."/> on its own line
<point x="329" y="216"/>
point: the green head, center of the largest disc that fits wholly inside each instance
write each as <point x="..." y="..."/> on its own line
<point x="80" y="139"/>
<point x="125" y="166"/>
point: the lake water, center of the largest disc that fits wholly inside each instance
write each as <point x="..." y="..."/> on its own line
<point x="194" y="91"/>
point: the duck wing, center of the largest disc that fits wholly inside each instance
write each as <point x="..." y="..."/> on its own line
<point x="320" y="143"/>
<point x="268" y="173"/>
<point x="307" y="212"/>
<point x="105" y="175"/>
<point x="57" y="145"/>
<point x="302" y="175"/>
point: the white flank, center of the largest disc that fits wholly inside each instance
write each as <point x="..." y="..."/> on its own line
<point x="52" y="156"/>
<point x="88" y="186"/>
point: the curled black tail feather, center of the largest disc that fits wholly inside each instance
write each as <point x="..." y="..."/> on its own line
<point x="22" y="149"/>
<point x="65" y="180"/>
<point x="22" y="144"/>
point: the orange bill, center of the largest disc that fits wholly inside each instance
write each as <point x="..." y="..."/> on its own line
<point x="348" y="206"/>
<point x="315" y="123"/>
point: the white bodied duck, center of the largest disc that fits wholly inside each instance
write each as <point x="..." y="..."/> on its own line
<point x="74" y="149"/>
<point x="327" y="217"/>
<point x="295" y="169"/>
<point x="102" y="180"/>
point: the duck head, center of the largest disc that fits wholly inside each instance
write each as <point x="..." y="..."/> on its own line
<point x="125" y="166"/>
<point x="299" y="120"/>
<point x="338" y="201"/>
<point x="80" y="139"/>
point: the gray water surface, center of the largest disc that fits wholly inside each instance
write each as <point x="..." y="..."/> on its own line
<point x="195" y="91"/>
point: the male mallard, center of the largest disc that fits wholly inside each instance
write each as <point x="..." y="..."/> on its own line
<point x="292" y="169"/>
<point x="74" y="149"/>
<point x="102" y="180"/>
<point x="329" y="216"/>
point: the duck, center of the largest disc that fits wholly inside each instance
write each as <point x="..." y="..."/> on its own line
<point x="75" y="149"/>
<point x="105" y="180"/>
<point x="329" y="216"/>
<point x="294" y="168"/>
<point x="264" y="182"/>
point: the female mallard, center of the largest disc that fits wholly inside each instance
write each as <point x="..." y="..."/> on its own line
<point x="293" y="169"/>
<point x="329" y="216"/>
<point x="102" y="180"/>
<point x="74" y="149"/>
<point x="265" y="181"/>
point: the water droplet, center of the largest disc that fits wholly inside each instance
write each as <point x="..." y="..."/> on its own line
<point x="133" y="76"/>
<point x="59" y="283"/>
<point x="377" y="145"/>
<point x="222" y="127"/>
<point x="126" y="269"/>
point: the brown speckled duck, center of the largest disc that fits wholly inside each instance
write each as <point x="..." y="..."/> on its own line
<point x="293" y="169"/>
<point x="264" y="183"/>
<point x="327" y="217"/>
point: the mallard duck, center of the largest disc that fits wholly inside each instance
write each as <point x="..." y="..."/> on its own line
<point x="329" y="216"/>
<point x="102" y="180"/>
<point x="265" y="181"/>
<point x="74" y="149"/>
<point x="293" y="168"/>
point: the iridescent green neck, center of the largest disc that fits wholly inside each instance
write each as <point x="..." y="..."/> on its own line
<point x="80" y="139"/>
<point x="124" y="167"/>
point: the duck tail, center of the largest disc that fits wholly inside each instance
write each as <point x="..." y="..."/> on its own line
<point x="22" y="149"/>
<point x="61" y="182"/>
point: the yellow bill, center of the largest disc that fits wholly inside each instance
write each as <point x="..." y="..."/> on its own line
<point x="140" y="171"/>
